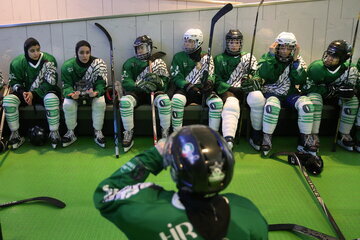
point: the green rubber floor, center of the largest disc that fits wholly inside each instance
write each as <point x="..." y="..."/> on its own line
<point x="72" y="174"/>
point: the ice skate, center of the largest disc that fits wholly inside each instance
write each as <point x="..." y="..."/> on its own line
<point x="15" y="140"/>
<point x="164" y="133"/>
<point x="69" y="138"/>
<point x="306" y="144"/>
<point x="266" y="145"/>
<point x="55" y="138"/>
<point x="99" y="138"/>
<point x="255" y="139"/>
<point x="346" y="141"/>
<point x="128" y="140"/>
<point x="230" y="141"/>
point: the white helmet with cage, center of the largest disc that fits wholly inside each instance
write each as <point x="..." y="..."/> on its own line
<point x="287" y="39"/>
<point x="197" y="36"/>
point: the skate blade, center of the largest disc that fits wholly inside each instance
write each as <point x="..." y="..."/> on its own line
<point x="126" y="149"/>
<point x="256" y="147"/>
<point x="17" y="145"/>
<point x="69" y="143"/>
<point x="54" y="145"/>
<point x="265" y="153"/>
<point x="100" y="144"/>
<point x="348" y="148"/>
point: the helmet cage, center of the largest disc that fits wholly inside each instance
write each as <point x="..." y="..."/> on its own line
<point x="338" y="49"/>
<point x="195" y="35"/>
<point x="143" y="40"/>
<point x="233" y="35"/>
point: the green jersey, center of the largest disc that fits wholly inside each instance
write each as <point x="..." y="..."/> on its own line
<point x="40" y="78"/>
<point x="281" y="79"/>
<point x="320" y="77"/>
<point x="79" y="78"/>
<point x="143" y="210"/>
<point x="135" y="70"/>
<point x="230" y="70"/>
<point x="184" y="70"/>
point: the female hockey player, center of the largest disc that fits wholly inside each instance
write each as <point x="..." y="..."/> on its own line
<point x="142" y="75"/>
<point x="33" y="80"/>
<point x="233" y="82"/>
<point x="357" y="123"/>
<point x="84" y="81"/>
<point x="283" y="71"/>
<point x="330" y="82"/>
<point x="201" y="164"/>
<point x="187" y="71"/>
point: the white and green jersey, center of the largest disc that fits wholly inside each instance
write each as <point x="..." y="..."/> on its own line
<point x="184" y="70"/>
<point x="144" y="210"/>
<point x="40" y="78"/>
<point x="230" y="70"/>
<point x="1" y="80"/>
<point x="134" y="71"/>
<point x="281" y="79"/>
<point x="320" y="77"/>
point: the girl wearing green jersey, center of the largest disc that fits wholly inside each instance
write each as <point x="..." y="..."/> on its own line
<point x="84" y="81"/>
<point x="143" y="76"/>
<point x="357" y="123"/>
<point x="187" y="72"/>
<point x="201" y="164"/>
<point x="284" y="72"/>
<point x="33" y="80"/>
<point x="331" y="81"/>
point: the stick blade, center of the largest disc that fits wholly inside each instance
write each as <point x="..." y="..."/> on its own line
<point x="224" y="10"/>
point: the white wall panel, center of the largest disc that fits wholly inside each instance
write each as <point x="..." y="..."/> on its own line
<point x="72" y="33"/>
<point x="319" y="39"/>
<point x="302" y="30"/>
<point x="57" y="43"/>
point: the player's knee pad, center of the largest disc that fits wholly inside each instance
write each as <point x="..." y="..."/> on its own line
<point x="256" y="99"/>
<point x="11" y="103"/>
<point x="304" y="105"/>
<point x="127" y="102"/>
<point x="98" y="104"/>
<point x="51" y="101"/>
<point x="162" y="101"/>
<point x="315" y="98"/>
<point x="232" y="105"/>
<point x="178" y="101"/>
<point x="214" y="103"/>
<point x="350" y="107"/>
<point x="69" y="105"/>
<point x="272" y="106"/>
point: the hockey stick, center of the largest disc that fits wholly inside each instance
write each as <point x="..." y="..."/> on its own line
<point x="300" y="229"/>
<point x="347" y="77"/>
<point x="224" y="10"/>
<point x="249" y="69"/>
<point x="153" y="112"/>
<point x="52" y="201"/>
<point x="117" y="125"/>
<point x="315" y="192"/>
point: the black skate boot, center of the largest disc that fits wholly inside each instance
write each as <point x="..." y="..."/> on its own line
<point x="99" y="138"/>
<point x="55" y="138"/>
<point x="230" y="141"/>
<point x="306" y="144"/>
<point x="357" y="144"/>
<point x="266" y="144"/>
<point x="316" y="140"/>
<point x="69" y="138"/>
<point x="164" y="133"/>
<point x="256" y="139"/>
<point x="15" y="140"/>
<point x="128" y="140"/>
<point x="346" y="141"/>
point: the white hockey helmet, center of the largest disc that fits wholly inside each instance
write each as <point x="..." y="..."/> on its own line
<point x="197" y="36"/>
<point x="285" y="39"/>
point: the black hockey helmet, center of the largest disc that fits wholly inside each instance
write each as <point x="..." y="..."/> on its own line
<point x="340" y="49"/>
<point x="313" y="164"/>
<point x="143" y="40"/>
<point x="200" y="159"/>
<point x="37" y="136"/>
<point x="233" y="34"/>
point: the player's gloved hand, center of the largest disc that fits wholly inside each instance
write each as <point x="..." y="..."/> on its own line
<point x="331" y="91"/>
<point x="152" y="77"/>
<point x="147" y="86"/>
<point x="18" y="89"/>
<point x="208" y="87"/>
<point x="249" y="84"/>
<point x="192" y="90"/>
<point x="346" y="91"/>
<point x="90" y="92"/>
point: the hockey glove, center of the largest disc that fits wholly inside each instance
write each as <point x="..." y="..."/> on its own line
<point x="346" y="91"/>
<point x="152" y="77"/>
<point x="191" y="90"/>
<point x="331" y="91"/>
<point x="17" y="88"/>
<point x="208" y="87"/>
<point x="249" y="85"/>
<point x="147" y="87"/>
